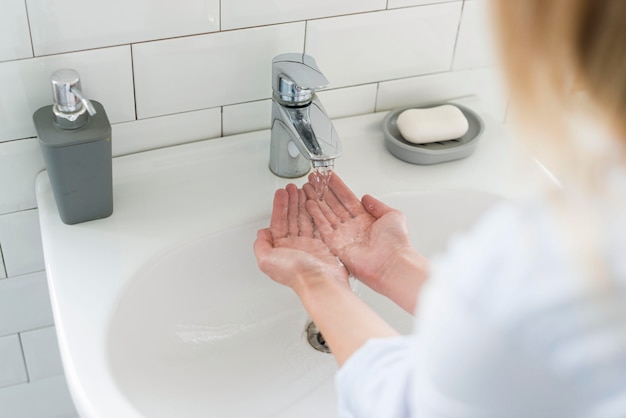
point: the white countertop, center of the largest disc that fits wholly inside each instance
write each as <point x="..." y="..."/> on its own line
<point x="170" y="196"/>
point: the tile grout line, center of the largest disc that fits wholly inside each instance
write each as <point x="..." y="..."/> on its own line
<point x="378" y="83"/>
<point x="376" y="97"/>
<point x="37" y="328"/>
<point x="30" y="34"/>
<point x="20" y="211"/>
<point x="220" y="30"/>
<point x="17" y="139"/>
<point x="306" y="29"/>
<point x="132" y="70"/>
<point x="4" y="266"/>
<point x="456" y="39"/>
<point x="19" y="337"/>
<point x="221" y="121"/>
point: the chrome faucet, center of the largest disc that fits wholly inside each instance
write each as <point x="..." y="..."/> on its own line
<point x="302" y="133"/>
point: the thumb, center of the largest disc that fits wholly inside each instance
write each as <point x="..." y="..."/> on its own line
<point x="263" y="246"/>
<point x="375" y="207"/>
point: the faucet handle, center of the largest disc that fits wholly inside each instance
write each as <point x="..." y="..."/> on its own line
<point x="295" y="77"/>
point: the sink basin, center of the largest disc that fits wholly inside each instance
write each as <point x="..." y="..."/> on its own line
<point x="201" y="332"/>
<point x="160" y="309"/>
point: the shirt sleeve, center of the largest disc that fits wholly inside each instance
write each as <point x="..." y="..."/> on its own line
<point x="376" y="381"/>
<point x="475" y="353"/>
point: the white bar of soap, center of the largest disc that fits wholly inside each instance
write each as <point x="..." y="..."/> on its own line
<point x="440" y="123"/>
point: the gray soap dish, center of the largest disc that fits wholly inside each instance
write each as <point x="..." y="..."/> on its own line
<point x="435" y="152"/>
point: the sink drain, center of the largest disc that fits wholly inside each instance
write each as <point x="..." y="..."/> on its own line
<point x="316" y="339"/>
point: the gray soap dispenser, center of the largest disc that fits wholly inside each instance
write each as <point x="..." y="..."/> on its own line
<point x="75" y="139"/>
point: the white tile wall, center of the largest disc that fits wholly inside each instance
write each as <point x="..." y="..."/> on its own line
<point x="46" y="398"/>
<point x="179" y="75"/>
<point x="349" y="101"/>
<point x="146" y="134"/>
<point x="12" y="368"/>
<point x="484" y="83"/>
<point x="21" y="242"/>
<point x="393" y="4"/>
<point x="106" y="77"/>
<point x="70" y="25"/>
<point x="246" y="13"/>
<point x="24" y="303"/>
<point x="21" y="161"/>
<point x="14" y="35"/>
<point x="246" y="117"/>
<point x="376" y="46"/>
<point x="175" y="72"/>
<point x="473" y="48"/>
<point x="41" y="352"/>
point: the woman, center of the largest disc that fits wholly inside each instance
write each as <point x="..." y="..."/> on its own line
<point x="533" y="324"/>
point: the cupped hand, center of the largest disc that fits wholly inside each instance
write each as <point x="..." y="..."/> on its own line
<point x="290" y="251"/>
<point x="367" y="235"/>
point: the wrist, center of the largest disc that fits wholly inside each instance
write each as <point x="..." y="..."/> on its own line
<point x="402" y="276"/>
<point x="311" y="286"/>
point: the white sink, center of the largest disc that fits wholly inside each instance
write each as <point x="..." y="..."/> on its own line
<point x="201" y="332"/>
<point x="160" y="309"/>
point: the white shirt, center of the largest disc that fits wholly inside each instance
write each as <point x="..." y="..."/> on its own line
<point x="505" y="327"/>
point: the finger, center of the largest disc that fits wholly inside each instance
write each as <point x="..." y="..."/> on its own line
<point x="263" y="247"/>
<point x="344" y="195"/>
<point x="321" y="222"/>
<point x="311" y="194"/>
<point x="319" y="179"/>
<point x="329" y="214"/>
<point x="339" y="212"/>
<point x="278" y="222"/>
<point x="309" y="190"/>
<point x="336" y="206"/>
<point x="305" y="222"/>
<point x="292" y="216"/>
<point x="375" y="207"/>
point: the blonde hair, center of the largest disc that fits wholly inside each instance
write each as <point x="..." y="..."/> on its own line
<point x="549" y="48"/>
<point x="565" y="62"/>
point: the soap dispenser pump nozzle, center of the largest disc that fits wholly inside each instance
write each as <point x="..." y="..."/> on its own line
<point x="71" y="108"/>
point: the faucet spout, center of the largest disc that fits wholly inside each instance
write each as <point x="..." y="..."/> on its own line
<point x="314" y="133"/>
<point x="302" y="133"/>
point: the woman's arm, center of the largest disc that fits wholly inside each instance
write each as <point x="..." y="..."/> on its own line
<point x="342" y="317"/>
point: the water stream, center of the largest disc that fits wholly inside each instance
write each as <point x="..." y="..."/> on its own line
<point x="322" y="172"/>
